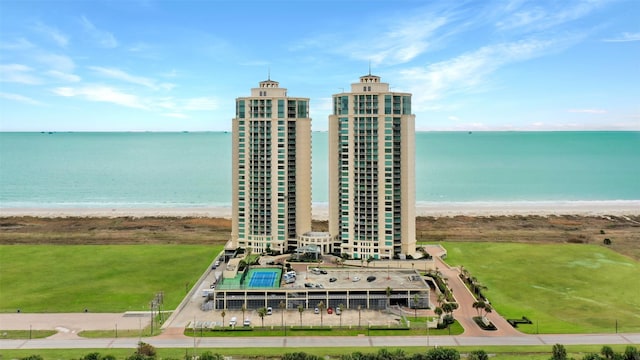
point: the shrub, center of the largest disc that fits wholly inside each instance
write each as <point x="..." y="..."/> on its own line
<point x="478" y="355"/>
<point x="146" y="349"/>
<point x="559" y="352"/>
<point x="443" y="354"/>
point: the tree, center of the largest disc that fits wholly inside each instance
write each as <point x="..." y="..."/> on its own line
<point x="389" y="290"/>
<point x="449" y="307"/>
<point x="359" y="314"/>
<point x="479" y="305"/>
<point x="369" y="260"/>
<point x="282" y="305"/>
<point x="487" y="309"/>
<point x="438" y="311"/>
<point x="300" y="310"/>
<point x="607" y="352"/>
<point x="631" y="353"/>
<point x="146" y="350"/>
<point x="223" y="313"/>
<point x="341" y="308"/>
<point x="440" y="300"/>
<point x="416" y="298"/>
<point x="321" y="306"/>
<point x="559" y="352"/>
<point x="262" y="312"/>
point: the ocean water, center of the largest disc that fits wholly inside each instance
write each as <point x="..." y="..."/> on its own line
<point x="155" y="170"/>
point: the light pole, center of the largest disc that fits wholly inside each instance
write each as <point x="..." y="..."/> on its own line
<point x="428" y="331"/>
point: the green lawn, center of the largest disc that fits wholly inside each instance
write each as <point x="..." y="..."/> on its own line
<point x="568" y="288"/>
<point x="100" y="278"/>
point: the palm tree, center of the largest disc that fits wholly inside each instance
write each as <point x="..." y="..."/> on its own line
<point x="321" y="306"/>
<point x="359" y="314"/>
<point x="479" y="305"/>
<point x="341" y="308"/>
<point x="282" y="306"/>
<point x="416" y="298"/>
<point x="262" y="312"/>
<point x="223" y="313"/>
<point x="487" y="309"/>
<point x="389" y="290"/>
<point x="244" y="309"/>
<point x="300" y="310"/>
<point x="441" y="298"/>
<point x="449" y="307"/>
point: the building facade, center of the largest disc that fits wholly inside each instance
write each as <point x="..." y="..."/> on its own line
<point x="372" y="171"/>
<point x="271" y="196"/>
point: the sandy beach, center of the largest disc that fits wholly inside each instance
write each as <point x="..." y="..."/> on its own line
<point x="320" y="211"/>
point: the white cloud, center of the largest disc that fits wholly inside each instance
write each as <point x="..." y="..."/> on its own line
<point x="529" y="16"/>
<point x="18" y="44"/>
<point x="469" y="71"/>
<point x="20" y="98"/>
<point x="54" y="34"/>
<point x="588" y="111"/>
<point x="398" y="40"/>
<point x="68" y="77"/>
<point x="625" y="37"/>
<point x="102" y="93"/>
<point x="133" y="79"/>
<point x="453" y="118"/>
<point x="103" y="38"/>
<point x="18" y="73"/>
<point x="61" y="63"/>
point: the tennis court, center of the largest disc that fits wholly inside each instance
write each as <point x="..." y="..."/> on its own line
<point x="261" y="278"/>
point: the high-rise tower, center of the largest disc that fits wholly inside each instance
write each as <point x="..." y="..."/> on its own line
<point x="271" y="169"/>
<point x="372" y="171"/>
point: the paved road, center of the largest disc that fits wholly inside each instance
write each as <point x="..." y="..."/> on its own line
<point x="323" y="341"/>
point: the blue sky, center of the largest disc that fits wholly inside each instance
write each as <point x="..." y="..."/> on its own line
<point x="179" y="65"/>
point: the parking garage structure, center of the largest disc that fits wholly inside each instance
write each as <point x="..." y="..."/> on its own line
<point x="349" y="287"/>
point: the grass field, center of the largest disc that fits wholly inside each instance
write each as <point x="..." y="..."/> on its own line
<point x="496" y="352"/>
<point x="563" y="288"/>
<point x="100" y="278"/>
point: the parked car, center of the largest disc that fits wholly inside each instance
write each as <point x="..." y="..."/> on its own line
<point x="355" y="278"/>
<point x="323" y="271"/>
<point x="338" y="311"/>
<point x="333" y="279"/>
<point x="371" y="278"/>
<point x="246" y="322"/>
<point x="269" y="310"/>
<point x="316" y="311"/>
<point x="329" y="310"/>
<point x="233" y="322"/>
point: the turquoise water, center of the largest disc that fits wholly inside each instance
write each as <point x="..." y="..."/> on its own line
<point x="194" y="169"/>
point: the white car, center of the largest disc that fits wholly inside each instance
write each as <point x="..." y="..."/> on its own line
<point x="246" y="322"/>
<point x="355" y="278"/>
<point x="269" y="310"/>
<point x="233" y="322"/>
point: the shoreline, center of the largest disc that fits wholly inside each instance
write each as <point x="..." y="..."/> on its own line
<point x="321" y="212"/>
